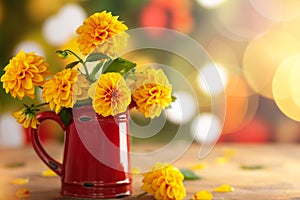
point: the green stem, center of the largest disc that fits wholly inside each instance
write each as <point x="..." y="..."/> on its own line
<point x="81" y="61"/>
<point x="74" y="54"/>
<point x="40" y="105"/>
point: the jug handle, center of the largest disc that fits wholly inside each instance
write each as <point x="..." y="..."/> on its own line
<point x="37" y="145"/>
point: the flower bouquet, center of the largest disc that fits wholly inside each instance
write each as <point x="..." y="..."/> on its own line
<point x="111" y="87"/>
<point x="90" y="104"/>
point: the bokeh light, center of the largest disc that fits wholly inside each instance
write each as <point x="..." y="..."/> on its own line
<point x="222" y="50"/>
<point x="236" y="93"/>
<point x="285" y="79"/>
<point x="277" y="9"/>
<point x="183" y="109"/>
<point x="59" y="28"/>
<point x="210" y="3"/>
<point x="30" y="46"/>
<point x="212" y="79"/>
<point x="38" y="10"/>
<point x="206" y="128"/>
<point x="295" y="79"/>
<point x="256" y="131"/>
<point x="174" y="14"/>
<point x="11" y="133"/>
<point x="263" y="56"/>
<point x="254" y="45"/>
<point x="240" y="20"/>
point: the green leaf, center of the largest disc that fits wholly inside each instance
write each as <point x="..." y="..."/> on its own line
<point x="120" y="65"/>
<point x="189" y="175"/>
<point x="65" y="116"/>
<point x="95" y="70"/>
<point x="173" y="98"/>
<point x="72" y="64"/>
<point x="96" y="57"/>
<point x="252" y="167"/>
<point x="15" y="165"/>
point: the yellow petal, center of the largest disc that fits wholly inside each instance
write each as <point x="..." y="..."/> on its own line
<point x="228" y="152"/>
<point x="135" y="170"/>
<point x="48" y="173"/>
<point x="23" y="193"/>
<point x="203" y="195"/>
<point x="198" y="166"/>
<point x="20" y="181"/>
<point x="224" y="188"/>
<point x="222" y="160"/>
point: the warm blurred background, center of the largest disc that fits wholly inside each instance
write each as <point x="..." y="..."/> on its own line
<point x="254" y="44"/>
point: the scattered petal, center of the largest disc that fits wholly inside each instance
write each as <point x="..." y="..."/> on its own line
<point x="20" y="181"/>
<point x="252" y="167"/>
<point x="48" y="173"/>
<point x="198" y="166"/>
<point x="23" y="193"/>
<point x="228" y="152"/>
<point x="135" y="170"/>
<point x="224" y="188"/>
<point x="222" y="160"/>
<point x="202" y="195"/>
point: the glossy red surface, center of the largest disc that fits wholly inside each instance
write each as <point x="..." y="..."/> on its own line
<point x="96" y="154"/>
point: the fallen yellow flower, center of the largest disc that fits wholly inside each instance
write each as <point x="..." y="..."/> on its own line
<point x="202" y="195"/>
<point x="23" y="193"/>
<point x="224" y="188"/>
<point x="20" y="181"/>
<point x="48" y="173"/>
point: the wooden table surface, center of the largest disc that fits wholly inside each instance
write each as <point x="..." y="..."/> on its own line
<point x="279" y="177"/>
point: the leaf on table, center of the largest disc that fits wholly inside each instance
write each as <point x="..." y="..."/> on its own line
<point x="252" y="167"/>
<point x="15" y="165"/>
<point x="224" y="188"/>
<point x="189" y="175"/>
<point x="23" y="193"/>
<point x="203" y="195"/>
<point x="20" y="181"/>
<point x="198" y="166"/>
<point x="48" y="173"/>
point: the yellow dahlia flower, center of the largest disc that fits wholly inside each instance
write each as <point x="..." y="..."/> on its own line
<point x="58" y="90"/>
<point x="102" y="32"/>
<point x="110" y="94"/>
<point x="23" y="73"/>
<point x="164" y="181"/>
<point x="26" y="117"/>
<point x="152" y="92"/>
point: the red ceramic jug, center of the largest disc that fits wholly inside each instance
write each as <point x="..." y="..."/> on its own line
<point x="96" y="154"/>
